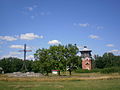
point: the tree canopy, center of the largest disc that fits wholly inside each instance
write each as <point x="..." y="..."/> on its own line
<point x="56" y="58"/>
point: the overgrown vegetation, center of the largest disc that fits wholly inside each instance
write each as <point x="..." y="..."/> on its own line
<point x="110" y="70"/>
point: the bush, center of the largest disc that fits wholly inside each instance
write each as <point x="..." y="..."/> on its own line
<point x="87" y="71"/>
<point x="110" y="70"/>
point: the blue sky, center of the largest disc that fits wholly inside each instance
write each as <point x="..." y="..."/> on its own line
<point x="41" y="23"/>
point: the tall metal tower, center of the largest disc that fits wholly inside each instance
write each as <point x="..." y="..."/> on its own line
<point x="24" y="68"/>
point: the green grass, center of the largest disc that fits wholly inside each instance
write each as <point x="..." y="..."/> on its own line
<point x="78" y="81"/>
<point x="113" y="84"/>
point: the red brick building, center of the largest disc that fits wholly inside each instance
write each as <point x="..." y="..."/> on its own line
<point x="86" y="58"/>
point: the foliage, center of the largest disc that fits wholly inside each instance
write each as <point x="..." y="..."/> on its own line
<point x="110" y="70"/>
<point x="60" y="57"/>
<point x="42" y="62"/>
<point x="12" y="64"/>
<point x="72" y="60"/>
<point x="107" y="60"/>
<point x="87" y="71"/>
<point x="56" y="58"/>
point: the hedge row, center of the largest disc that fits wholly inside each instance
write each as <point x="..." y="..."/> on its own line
<point x="110" y="70"/>
<point x="104" y="71"/>
<point x="87" y="71"/>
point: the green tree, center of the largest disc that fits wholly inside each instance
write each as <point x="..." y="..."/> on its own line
<point x="71" y="57"/>
<point x="29" y="65"/>
<point x="43" y="60"/>
<point x="99" y="62"/>
<point x="36" y="66"/>
<point x="57" y="57"/>
<point x="107" y="60"/>
<point x="11" y="64"/>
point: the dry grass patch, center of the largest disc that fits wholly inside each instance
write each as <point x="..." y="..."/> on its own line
<point x="90" y="76"/>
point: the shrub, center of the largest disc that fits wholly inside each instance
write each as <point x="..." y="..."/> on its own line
<point x="111" y="70"/>
<point x="87" y="71"/>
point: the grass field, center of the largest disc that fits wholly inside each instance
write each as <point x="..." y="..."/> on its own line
<point x="65" y="85"/>
<point x="82" y="82"/>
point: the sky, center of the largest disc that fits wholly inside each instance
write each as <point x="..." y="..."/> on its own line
<point x="42" y="23"/>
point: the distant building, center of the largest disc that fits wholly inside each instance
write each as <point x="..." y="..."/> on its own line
<point x="86" y="58"/>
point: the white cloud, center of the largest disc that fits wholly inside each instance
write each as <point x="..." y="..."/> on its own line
<point x="17" y="55"/>
<point x="29" y="36"/>
<point x="8" y="38"/>
<point x="43" y="13"/>
<point x="4" y="56"/>
<point x="17" y="46"/>
<point x="54" y="42"/>
<point x="110" y="45"/>
<point x="30" y="8"/>
<point x="115" y="51"/>
<point x="91" y="26"/>
<point x="26" y="36"/>
<point x="94" y="37"/>
<point x="14" y="53"/>
<point x="84" y="25"/>
<point x="30" y="57"/>
<point x="7" y="56"/>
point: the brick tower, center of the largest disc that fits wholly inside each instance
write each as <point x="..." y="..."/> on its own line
<point x="86" y="58"/>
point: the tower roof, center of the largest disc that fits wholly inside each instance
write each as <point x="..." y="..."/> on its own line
<point x="85" y="49"/>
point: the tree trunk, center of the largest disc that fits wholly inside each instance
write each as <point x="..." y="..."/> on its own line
<point x="70" y="72"/>
<point x="47" y="73"/>
<point x="59" y="73"/>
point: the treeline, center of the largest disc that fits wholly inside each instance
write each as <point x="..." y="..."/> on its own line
<point x="106" y="61"/>
<point x="12" y="64"/>
<point x="58" y="57"/>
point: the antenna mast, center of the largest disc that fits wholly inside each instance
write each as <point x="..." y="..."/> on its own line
<point x="24" y="68"/>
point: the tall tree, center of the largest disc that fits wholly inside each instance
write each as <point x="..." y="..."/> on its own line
<point x="43" y="60"/>
<point x="57" y="57"/>
<point x="71" y="58"/>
